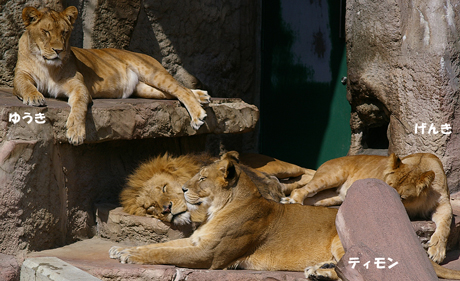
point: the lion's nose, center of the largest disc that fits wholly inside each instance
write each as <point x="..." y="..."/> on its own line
<point x="167" y="208"/>
<point x="184" y="189"/>
<point x="58" y="51"/>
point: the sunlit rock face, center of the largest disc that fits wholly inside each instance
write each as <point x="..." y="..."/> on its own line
<point x="403" y="78"/>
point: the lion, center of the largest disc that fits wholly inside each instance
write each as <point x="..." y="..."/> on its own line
<point x="154" y="189"/>
<point x="419" y="179"/>
<point x="48" y="65"/>
<point x="244" y="230"/>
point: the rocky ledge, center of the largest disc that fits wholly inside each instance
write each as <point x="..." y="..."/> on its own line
<point x="122" y="119"/>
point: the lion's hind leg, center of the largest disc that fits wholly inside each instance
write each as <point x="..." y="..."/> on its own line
<point x="326" y="270"/>
<point x="145" y="91"/>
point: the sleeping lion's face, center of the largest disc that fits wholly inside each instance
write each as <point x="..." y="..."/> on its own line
<point x="162" y="198"/>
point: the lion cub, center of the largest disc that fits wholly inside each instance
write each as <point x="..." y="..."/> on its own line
<point x="419" y="179"/>
<point x="47" y="64"/>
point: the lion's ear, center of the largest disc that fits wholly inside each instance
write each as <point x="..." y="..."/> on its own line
<point x="424" y="181"/>
<point x="228" y="169"/>
<point x="30" y="15"/>
<point x="70" y="13"/>
<point x="231" y="155"/>
<point x="393" y="162"/>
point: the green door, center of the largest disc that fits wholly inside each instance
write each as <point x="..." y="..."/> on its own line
<point x="304" y="113"/>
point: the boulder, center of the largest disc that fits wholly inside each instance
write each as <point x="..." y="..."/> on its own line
<point x="403" y="86"/>
<point x="378" y="237"/>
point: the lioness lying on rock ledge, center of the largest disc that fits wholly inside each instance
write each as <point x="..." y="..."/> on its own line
<point x="48" y="65"/>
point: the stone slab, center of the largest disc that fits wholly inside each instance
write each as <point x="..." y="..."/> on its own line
<point x="91" y="255"/>
<point x="373" y="224"/>
<point x="52" y="269"/>
<point x="123" y="119"/>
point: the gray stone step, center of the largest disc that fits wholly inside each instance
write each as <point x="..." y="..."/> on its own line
<point x="52" y="269"/>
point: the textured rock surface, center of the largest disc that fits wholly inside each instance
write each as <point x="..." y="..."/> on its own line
<point x="403" y="70"/>
<point x="9" y="268"/>
<point x="387" y="234"/>
<point x="116" y="119"/>
<point x="116" y="225"/>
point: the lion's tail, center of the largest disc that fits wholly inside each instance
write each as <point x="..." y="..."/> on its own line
<point x="445" y="273"/>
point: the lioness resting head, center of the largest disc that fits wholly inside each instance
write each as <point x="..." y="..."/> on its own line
<point x="154" y="189"/>
<point x="419" y="179"/>
<point x="245" y="230"/>
<point x="48" y="65"/>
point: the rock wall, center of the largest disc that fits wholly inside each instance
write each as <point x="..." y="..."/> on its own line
<point x="403" y="72"/>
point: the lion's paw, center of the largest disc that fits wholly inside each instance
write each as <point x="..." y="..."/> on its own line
<point x="76" y="132"/>
<point x="34" y="99"/>
<point x="126" y="255"/>
<point x="322" y="271"/>
<point x="285" y="200"/>
<point x="202" y="96"/>
<point x="436" y="249"/>
<point x="76" y="135"/>
<point x="114" y="252"/>
<point x="198" y="121"/>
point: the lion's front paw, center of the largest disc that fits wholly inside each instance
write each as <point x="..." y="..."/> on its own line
<point x="297" y="196"/>
<point x="126" y="255"/>
<point x="76" y="132"/>
<point x="285" y="200"/>
<point x="114" y="252"/>
<point x="35" y="99"/>
<point x="198" y="121"/>
<point x="202" y="96"/>
<point x="437" y="248"/>
<point x="322" y="271"/>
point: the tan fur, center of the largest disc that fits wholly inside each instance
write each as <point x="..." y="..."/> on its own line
<point x="245" y="230"/>
<point x="418" y="178"/>
<point x="48" y="65"/>
<point x="155" y="188"/>
<point x="290" y="175"/>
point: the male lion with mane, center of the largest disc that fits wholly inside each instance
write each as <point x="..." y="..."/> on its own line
<point x="154" y="189"/>
<point x="47" y="64"/>
<point x="247" y="231"/>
